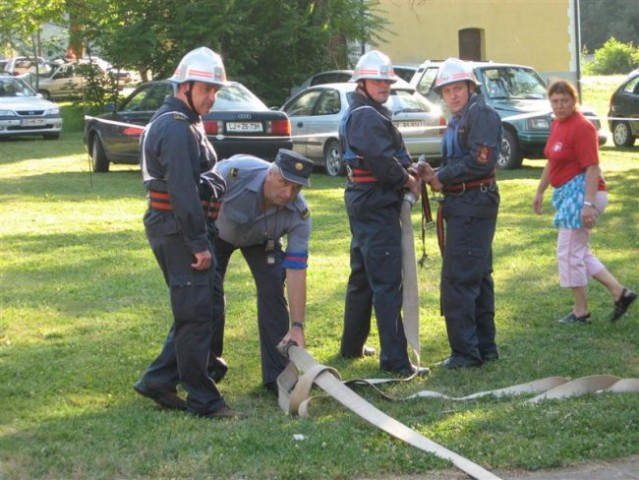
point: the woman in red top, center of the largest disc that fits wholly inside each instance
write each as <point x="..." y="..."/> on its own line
<point x="579" y="197"/>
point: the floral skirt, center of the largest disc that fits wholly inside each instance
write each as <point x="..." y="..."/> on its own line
<point x="568" y="201"/>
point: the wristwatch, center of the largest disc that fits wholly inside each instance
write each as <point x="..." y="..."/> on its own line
<point x="590" y="204"/>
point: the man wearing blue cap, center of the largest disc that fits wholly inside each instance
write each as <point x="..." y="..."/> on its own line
<point x="262" y="203"/>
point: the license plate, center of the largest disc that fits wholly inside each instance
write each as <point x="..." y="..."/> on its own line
<point x="410" y="124"/>
<point x="244" y="127"/>
<point x="33" y="122"/>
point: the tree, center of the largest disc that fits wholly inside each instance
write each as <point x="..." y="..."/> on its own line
<point x="269" y="45"/>
<point x="22" y="20"/>
<point x="601" y="20"/>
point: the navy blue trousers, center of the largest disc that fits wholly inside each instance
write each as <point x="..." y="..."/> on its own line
<point x="272" y="308"/>
<point x="467" y="288"/>
<point x="375" y="282"/>
<point x="185" y="354"/>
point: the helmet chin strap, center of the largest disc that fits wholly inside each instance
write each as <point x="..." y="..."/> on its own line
<point x="365" y="90"/>
<point x="189" y="97"/>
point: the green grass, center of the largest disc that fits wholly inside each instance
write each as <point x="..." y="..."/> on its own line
<point x="84" y="310"/>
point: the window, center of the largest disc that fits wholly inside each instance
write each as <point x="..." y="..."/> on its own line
<point x="303" y="105"/>
<point x="329" y="103"/>
<point x="425" y="86"/>
<point x="149" y="99"/>
<point x="470" y="44"/>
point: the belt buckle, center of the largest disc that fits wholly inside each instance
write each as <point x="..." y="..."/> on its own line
<point x="349" y="173"/>
<point x="459" y="194"/>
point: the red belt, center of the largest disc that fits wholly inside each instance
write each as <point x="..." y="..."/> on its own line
<point x="359" y="175"/>
<point x="460" y="188"/>
<point x="162" y="201"/>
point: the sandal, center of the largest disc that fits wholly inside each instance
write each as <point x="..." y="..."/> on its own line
<point x="572" y="318"/>
<point x="621" y="305"/>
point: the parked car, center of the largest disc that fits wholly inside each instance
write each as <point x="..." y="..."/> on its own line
<point x="21" y="65"/>
<point x="64" y="81"/>
<point x="24" y="112"/>
<point x="239" y="122"/>
<point x="518" y="94"/>
<point x="316" y="113"/>
<point x="329" y="76"/>
<point x="624" y="106"/>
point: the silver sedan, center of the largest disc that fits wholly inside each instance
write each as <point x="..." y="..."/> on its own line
<point x="316" y="112"/>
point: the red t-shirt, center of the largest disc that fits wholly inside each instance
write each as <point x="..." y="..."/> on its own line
<point x="572" y="147"/>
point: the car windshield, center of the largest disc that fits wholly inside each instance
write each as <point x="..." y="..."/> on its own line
<point x="406" y="101"/>
<point x="14" y="87"/>
<point x="237" y="97"/>
<point x="513" y="82"/>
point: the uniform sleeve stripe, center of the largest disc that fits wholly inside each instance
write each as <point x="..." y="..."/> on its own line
<point x="295" y="260"/>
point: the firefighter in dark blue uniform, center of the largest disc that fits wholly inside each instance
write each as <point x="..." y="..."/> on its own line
<point x="470" y="149"/>
<point x="177" y="159"/>
<point x="378" y="178"/>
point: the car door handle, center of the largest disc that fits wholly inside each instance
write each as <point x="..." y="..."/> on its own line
<point x="300" y="124"/>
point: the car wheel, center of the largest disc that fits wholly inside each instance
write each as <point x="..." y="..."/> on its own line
<point x="45" y="94"/>
<point x="509" y="157"/>
<point x="98" y="157"/>
<point x="333" y="163"/>
<point x="621" y="135"/>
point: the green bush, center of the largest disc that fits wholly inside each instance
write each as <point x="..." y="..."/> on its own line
<point x="613" y="58"/>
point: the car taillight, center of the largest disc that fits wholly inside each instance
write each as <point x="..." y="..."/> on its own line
<point x="213" y="127"/>
<point x="279" y="127"/>
<point x="132" y="131"/>
<point x="442" y="123"/>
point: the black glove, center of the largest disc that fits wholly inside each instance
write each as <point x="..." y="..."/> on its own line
<point x="212" y="186"/>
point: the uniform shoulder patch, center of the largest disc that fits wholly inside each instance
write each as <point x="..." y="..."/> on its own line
<point x="233" y="172"/>
<point x="179" y="116"/>
<point x="483" y="154"/>
<point x="305" y="213"/>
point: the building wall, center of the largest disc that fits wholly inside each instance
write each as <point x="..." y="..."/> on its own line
<point x="539" y="33"/>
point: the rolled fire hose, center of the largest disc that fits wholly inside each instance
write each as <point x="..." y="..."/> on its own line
<point x="294" y="397"/>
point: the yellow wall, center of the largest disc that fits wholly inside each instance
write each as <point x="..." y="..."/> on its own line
<point x="538" y="33"/>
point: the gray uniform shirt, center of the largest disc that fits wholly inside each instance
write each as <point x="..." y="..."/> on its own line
<point x="241" y="221"/>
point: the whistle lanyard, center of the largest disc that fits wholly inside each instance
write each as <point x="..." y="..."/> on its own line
<point x="269" y="248"/>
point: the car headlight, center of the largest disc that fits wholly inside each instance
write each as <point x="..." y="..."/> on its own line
<point x="7" y="113"/>
<point x="539" y="123"/>
<point x="52" y="111"/>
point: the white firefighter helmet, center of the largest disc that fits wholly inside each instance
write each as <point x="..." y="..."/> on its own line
<point x="200" y="65"/>
<point x="374" y="65"/>
<point x="454" y="70"/>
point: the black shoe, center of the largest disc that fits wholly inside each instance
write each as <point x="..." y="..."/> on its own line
<point x="408" y="371"/>
<point x="217" y="369"/>
<point x="366" y="352"/>
<point x="572" y="318"/>
<point x="621" y="305"/>
<point x="164" y="398"/>
<point x="453" y="362"/>
<point x="224" y="412"/>
<point x="272" y="388"/>
<point x="490" y="357"/>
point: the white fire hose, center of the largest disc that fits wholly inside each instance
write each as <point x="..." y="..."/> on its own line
<point x="294" y="388"/>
